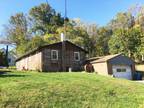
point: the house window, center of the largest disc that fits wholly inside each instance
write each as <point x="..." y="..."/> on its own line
<point x="9" y="60"/>
<point x="76" y="56"/>
<point x="54" y="54"/>
<point x="121" y="70"/>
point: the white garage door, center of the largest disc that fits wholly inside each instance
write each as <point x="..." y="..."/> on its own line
<point x="122" y="71"/>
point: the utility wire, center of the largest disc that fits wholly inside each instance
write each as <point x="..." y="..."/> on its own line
<point x="65" y="9"/>
<point x="47" y="2"/>
<point x="65" y="18"/>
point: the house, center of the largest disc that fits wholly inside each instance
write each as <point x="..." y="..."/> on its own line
<point x="11" y="57"/>
<point x="53" y="58"/>
<point x="117" y="65"/>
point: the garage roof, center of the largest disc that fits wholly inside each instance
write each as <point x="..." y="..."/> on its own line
<point x="105" y="58"/>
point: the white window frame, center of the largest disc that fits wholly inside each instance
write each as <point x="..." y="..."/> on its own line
<point x="78" y="56"/>
<point x="56" y="54"/>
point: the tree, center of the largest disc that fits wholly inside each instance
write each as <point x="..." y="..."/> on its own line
<point x="76" y="34"/>
<point x="91" y="37"/>
<point x="126" y="41"/>
<point x="25" y="31"/>
<point x="36" y="41"/>
<point x="3" y="59"/>
<point x="103" y="37"/>
<point x="122" y="21"/>
<point x="45" y="20"/>
<point x="17" y="29"/>
<point x="17" y="32"/>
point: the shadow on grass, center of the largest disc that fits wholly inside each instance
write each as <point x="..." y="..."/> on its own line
<point x="5" y="73"/>
<point x="11" y="75"/>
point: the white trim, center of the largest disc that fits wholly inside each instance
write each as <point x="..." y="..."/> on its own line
<point x="52" y="54"/>
<point x="78" y="56"/>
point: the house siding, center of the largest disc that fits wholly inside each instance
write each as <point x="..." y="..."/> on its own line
<point x="32" y="62"/>
<point x="49" y="64"/>
<point x="56" y="65"/>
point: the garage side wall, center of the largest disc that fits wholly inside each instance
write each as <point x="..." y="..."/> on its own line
<point x="32" y="62"/>
<point x="101" y="68"/>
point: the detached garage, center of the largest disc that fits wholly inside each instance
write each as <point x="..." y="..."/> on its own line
<point x="117" y="65"/>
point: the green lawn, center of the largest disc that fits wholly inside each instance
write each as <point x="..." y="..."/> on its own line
<point x="68" y="90"/>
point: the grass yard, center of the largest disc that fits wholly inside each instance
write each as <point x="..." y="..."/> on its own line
<point x="68" y="90"/>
